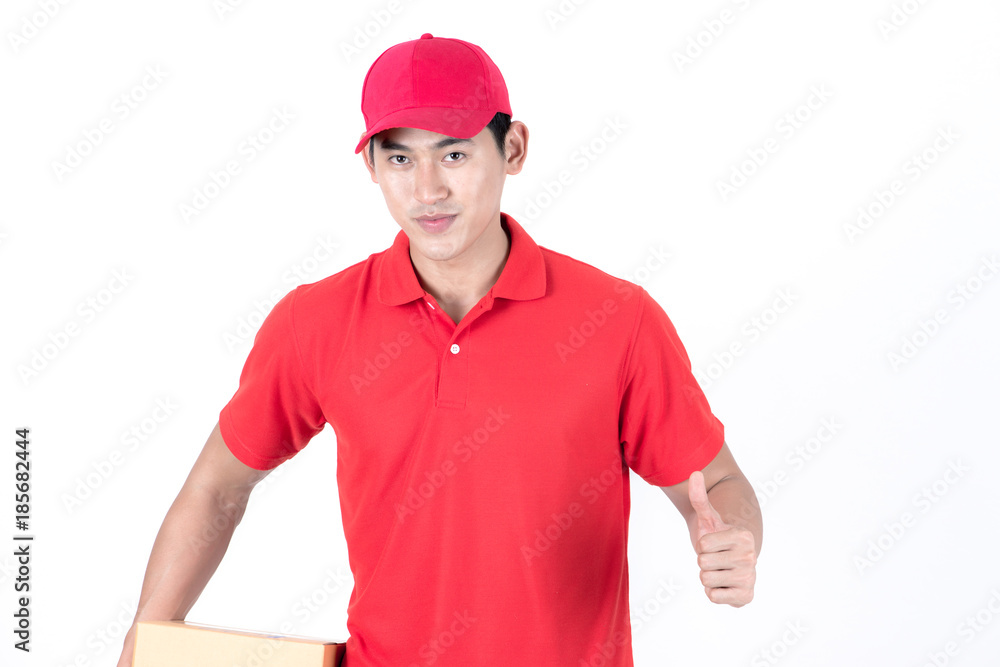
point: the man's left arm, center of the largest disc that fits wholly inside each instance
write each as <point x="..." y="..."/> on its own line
<point x="723" y="516"/>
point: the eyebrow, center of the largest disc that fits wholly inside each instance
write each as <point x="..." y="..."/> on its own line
<point x="449" y="141"/>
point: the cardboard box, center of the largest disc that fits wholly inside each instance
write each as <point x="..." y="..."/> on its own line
<point x="184" y="644"/>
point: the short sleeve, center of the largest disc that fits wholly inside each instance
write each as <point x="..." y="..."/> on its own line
<point x="666" y="426"/>
<point x="273" y="413"/>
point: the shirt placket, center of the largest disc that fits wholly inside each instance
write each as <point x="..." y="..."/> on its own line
<point x="452" y="388"/>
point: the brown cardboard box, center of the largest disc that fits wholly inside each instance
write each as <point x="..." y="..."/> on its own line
<point x="183" y="644"/>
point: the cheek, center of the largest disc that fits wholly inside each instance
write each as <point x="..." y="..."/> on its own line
<point x="394" y="189"/>
<point x="474" y="185"/>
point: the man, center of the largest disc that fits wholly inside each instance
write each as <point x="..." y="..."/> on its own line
<point x="488" y="396"/>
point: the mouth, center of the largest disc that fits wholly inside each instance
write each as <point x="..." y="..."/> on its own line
<point x="437" y="224"/>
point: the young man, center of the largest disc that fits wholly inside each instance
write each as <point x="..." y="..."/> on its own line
<point x="488" y="396"/>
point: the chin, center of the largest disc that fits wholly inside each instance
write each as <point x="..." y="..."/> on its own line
<point x="437" y="250"/>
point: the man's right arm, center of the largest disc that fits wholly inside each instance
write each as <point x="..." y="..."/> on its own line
<point x="194" y="536"/>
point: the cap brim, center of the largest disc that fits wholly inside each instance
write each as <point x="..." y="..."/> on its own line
<point x="460" y="123"/>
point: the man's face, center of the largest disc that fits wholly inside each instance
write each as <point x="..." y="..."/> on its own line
<point x="423" y="173"/>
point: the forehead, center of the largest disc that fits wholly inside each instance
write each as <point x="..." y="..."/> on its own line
<point x="411" y="138"/>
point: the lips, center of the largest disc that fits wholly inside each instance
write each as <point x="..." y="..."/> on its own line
<point x="435" y="217"/>
<point x="437" y="224"/>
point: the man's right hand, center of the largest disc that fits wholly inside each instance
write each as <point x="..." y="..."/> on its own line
<point x="128" y="648"/>
<point x="194" y="536"/>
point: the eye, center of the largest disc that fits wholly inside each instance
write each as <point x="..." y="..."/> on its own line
<point x="392" y="158"/>
<point x="461" y="155"/>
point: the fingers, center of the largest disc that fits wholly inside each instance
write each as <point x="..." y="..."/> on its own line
<point x="728" y="562"/>
<point x="697" y="493"/>
<point x="715" y="561"/>
<point x="726" y="554"/>
<point x="734" y="597"/>
<point x="709" y="519"/>
<point x="729" y="539"/>
<point x="728" y="586"/>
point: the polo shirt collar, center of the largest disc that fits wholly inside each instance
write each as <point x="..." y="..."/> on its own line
<point x="522" y="277"/>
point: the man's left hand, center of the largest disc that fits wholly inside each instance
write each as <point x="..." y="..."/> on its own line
<point x="727" y="554"/>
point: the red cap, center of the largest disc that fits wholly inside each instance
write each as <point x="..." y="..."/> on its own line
<point x="438" y="84"/>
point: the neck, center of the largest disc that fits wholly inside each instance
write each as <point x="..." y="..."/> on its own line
<point x="462" y="282"/>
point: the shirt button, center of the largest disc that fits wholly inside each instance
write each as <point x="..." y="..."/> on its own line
<point x="454" y="348"/>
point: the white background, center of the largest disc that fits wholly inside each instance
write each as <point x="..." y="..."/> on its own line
<point x="838" y="563"/>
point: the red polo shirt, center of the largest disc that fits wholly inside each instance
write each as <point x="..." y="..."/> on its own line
<point x="480" y="465"/>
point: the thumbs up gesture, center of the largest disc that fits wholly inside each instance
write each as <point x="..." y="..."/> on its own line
<point x="727" y="555"/>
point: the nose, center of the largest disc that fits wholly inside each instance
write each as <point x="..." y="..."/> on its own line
<point x="428" y="184"/>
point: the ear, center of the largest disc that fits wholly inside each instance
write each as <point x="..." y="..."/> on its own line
<point x="517" y="146"/>
<point x="368" y="163"/>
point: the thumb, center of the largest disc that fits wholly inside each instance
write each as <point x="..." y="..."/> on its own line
<point x="709" y="520"/>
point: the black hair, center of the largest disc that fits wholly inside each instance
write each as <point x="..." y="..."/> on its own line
<point x="498" y="126"/>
